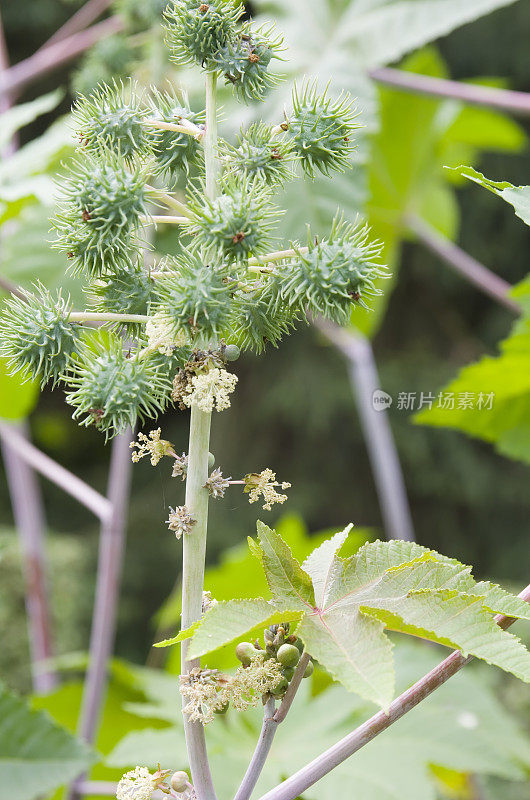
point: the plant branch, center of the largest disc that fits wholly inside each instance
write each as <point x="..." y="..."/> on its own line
<point x="49" y="58"/>
<point x="477" y="274"/>
<point x="292" y="689"/>
<point x="259" y="757"/>
<point x="82" y="18"/>
<point x="165" y="219"/>
<point x="298" y="783"/>
<point x="382" y="451"/>
<point x="169" y="200"/>
<point x="105" y="316"/>
<point x="29" y="517"/>
<point x="70" y="483"/>
<point x="506" y="99"/>
<point x="111" y="551"/>
<point x="184" y="126"/>
<point x="194" y="544"/>
<point x="271" y="719"/>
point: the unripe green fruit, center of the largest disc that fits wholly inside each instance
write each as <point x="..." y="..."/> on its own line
<point x="211" y="460"/>
<point x="232" y="352"/>
<point x="245" y="652"/>
<point x="288" y="655"/>
<point x="300" y="645"/>
<point x="281" y="688"/>
<point x="309" y="670"/>
<point x="179" y="781"/>
<point x="222" y="710"/>
<point x="288" y="672"/>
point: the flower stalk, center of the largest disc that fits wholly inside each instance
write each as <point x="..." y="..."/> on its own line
<point x="197" y="496"/>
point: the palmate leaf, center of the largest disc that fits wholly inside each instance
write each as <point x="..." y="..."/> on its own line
<point x="397" y="585"/>
<point x="36" y="754"/>
<point x="517" y="196"/>
<point x="504" y="378"/>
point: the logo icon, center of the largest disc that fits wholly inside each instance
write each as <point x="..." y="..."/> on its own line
<point x="381" y="400"/>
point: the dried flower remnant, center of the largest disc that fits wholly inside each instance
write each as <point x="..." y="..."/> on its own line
<point x="205" y="692"/>
<point x="180" y="467"/>
<point x="139" y="784"/>
<point x="208" y="602"/>
<point x="211" y="390"/>
<point x="264" y="485"/>
<point x="180" y="521"/>
<point x="152" y="445"/>
<point x="217" y="484"/>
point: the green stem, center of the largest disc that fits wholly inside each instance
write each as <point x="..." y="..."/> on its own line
<point x="194" y="545"/>
<point x="105" y="316"/>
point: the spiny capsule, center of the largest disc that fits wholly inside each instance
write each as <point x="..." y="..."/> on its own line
<point x="35" y="334"/>
<point x="322" y="130"/>
<point x="236" y="224"/>
<point x="196" y="31"/>
<point x="244" y="61"/>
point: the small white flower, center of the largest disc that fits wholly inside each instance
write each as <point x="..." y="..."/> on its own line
<point x="210" y="390"/>
<point x="263" y="484"/>
<point x="151" y="445"/>
<point x="139" y="784"/>
<point x="161" y="335"/>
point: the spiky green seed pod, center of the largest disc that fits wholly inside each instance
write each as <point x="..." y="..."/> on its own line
<point x="127" y="292"/>
<point x="244" y="61"/>
<point x="288" y="655"/>
<point x="256" y="321"/>
<point x="335" y="274"/>
<point x="102" y="206"/>
<point x="111" y="119"/>
<point x="238" y="223"/>
<point x="35" y="335"/>
<point x="262" y="155"/>
<point x="195" y="298"/>
<point x="196" y="31"/>
<point x="87" y="252"/>
<point x="174" y="151"/>
<point x="322" y="129"/>
<point x="112" y="390"/>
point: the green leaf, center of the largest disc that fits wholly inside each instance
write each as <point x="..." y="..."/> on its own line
<point x="17" y="397"/>
<point x="354" y="650"/>
<point x="289" y="584"/>
<point x="36" y="755"/>
<point x="517" y="196"/>
<point x="491" y="399"/>
<point x="15" y="118"/>
<point x="187" y="633"/>
<point x="233" y="619"/>
<point x="321" y="563"/>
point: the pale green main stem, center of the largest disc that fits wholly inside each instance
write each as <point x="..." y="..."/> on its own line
<point x="194" y="544"/>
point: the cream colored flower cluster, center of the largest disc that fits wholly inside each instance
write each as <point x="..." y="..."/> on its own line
<point x="209" y="691"/>
<point x="152" y="446"/>
<point x="160" y="335"/>
<point x="263" y="484"/>
<point x="139" y="784"/>
<point x="209" y="390"/>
